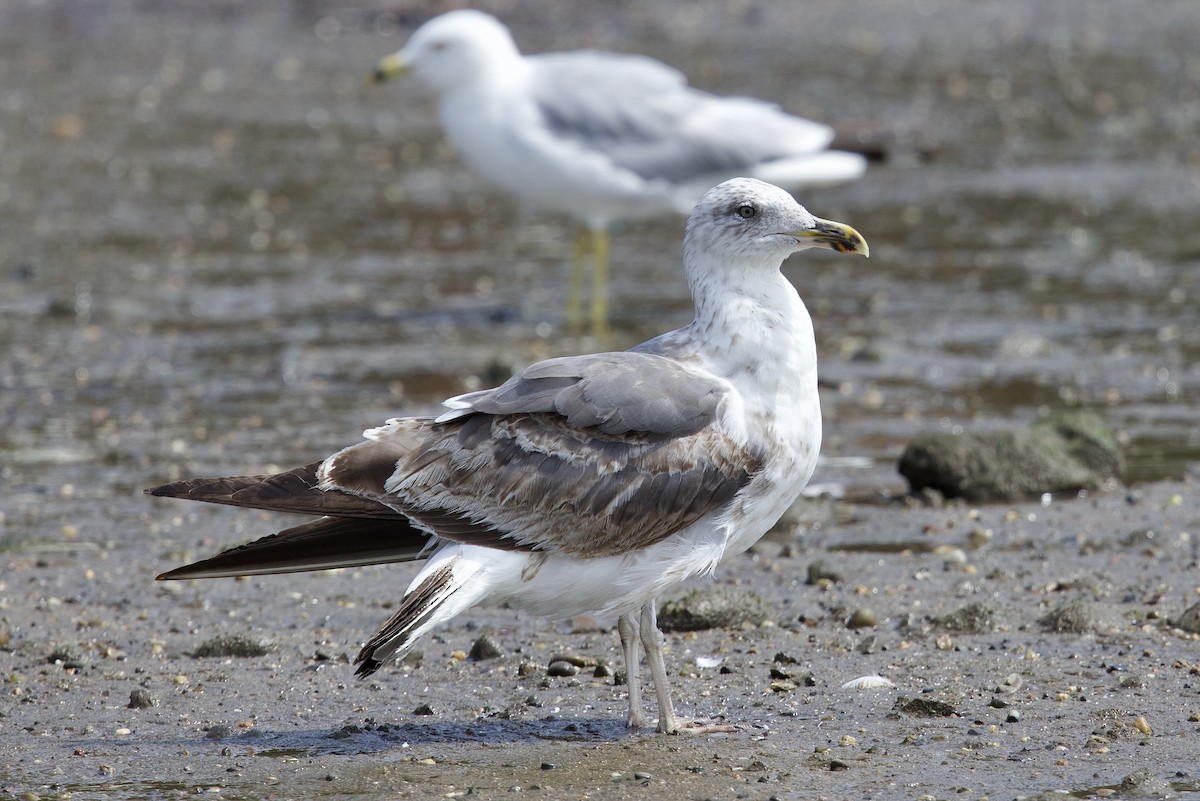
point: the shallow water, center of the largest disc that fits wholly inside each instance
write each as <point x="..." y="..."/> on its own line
<point x="223" y="251"/>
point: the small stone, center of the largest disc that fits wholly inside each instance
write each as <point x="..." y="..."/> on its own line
<point x="527" y="669"/>
<point x="578" y="660"/>
<point x="1012" y="682"/>
<point x="66" y="657"/>
<point x="1013" y="717"/>
<point x="926" y="708"/>
<point x="1142" y="725"/>
<point x="423" y="709"/>
<point x="642" y="775"/>
<point x="561" y="667"/>
<point x="997" y="703"/>
<point x="711" y="608"/>
<point x="862" y="618"/>
<point x="819" y="573"/>
<point x="1080" y="617"/>
<point x="235" y="645"/>
<point x="219" y="731"/>
<point x="974" y="618"/>
<point x="141" y="699"/>
<point x="485" y="648"/>
<point x="1189" y="619"/>
<point x="549" y="765"/>
<point x="603" y="670"/>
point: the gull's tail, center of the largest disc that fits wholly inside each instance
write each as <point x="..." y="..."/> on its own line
<point x="441" y="591"/>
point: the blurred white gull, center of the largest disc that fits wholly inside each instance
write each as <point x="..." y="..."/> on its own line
<point x="584" y="484"/>
<point x="601" y="137"/>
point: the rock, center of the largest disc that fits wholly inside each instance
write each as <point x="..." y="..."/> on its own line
<point x="67" y="657"/>
<point x="141" y="699"/>
<point x="561" y="667"/>
<point x="1080" y="617"/>
<point x="862" y="619"/>
<point x="1142" y="783"/>
<point x="925" y="708"/>
<point x="712" y="608"/>
<point x="485" y="648"/>
<point x="976" y="618"/>
<point x="1189" y="619"/>
<point x="819" y="571"/>
<point x="235" y="645"/>
<point x="1065" y="452"/>
<point x="423" y="709"/>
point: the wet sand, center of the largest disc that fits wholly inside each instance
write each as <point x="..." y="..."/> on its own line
<point x="223" y="252"/>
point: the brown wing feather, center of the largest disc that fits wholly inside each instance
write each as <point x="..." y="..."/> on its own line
<point x="534" y="481"/>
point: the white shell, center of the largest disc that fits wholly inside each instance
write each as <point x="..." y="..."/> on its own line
<point x="868" y="683"/>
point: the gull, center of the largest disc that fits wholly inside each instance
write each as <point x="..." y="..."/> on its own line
<point x="601" y="137"/>
<point x="584" y="484"/>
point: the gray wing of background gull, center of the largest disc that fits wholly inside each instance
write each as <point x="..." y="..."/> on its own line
<point x="588" y="456"/>
<point x="646" y="119"/>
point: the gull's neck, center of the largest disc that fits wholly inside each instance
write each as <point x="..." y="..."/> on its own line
<point x="751" y="320"/>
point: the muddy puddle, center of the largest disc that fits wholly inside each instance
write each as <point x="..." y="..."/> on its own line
<point x="223" y="251"/>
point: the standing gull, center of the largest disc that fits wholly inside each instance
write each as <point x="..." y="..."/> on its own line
<point x="601" y="137"/>
<point x="583" y="484"/>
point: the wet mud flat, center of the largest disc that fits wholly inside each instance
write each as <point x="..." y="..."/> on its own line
<point x="223" y="252"/>
<point x="1031" y="647"/>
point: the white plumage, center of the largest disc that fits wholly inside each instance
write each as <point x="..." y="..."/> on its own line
<point x="602" y="137"/>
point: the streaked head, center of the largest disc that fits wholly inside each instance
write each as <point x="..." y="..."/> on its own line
<point x="746" y="218"/>
<point x="451" y="50"/>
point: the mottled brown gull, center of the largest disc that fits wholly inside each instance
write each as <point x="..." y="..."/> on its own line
<point x="601" y="137"/>
<point x="585" y="484"/>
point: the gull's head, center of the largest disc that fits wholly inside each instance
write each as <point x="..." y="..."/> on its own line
<point x="451" y="51"/>
<point x="746" y="219"/>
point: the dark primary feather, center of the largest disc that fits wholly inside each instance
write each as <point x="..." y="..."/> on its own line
<point x="293" y="491"/>
<point x="318" y="545"/>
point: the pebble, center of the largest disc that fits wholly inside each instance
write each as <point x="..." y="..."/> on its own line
<point x="820" y="573"/>
<point x="1012" y="682"/>
<point x="642" y="776"/>
<point x="141" y="699"/>
<point x="423" y="709"/>
<point x="577" y="660"/>
<point x="862" y="618"/>
<point x="561" y="667"/>
<point x="485" y="648"/>
<point x="549" y="765"/>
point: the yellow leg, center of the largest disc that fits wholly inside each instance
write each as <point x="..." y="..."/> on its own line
<point x="600" y="286"/>
<point x="574" y="309"/>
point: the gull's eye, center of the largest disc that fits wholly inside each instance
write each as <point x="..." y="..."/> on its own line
<point x="747" y="211"/>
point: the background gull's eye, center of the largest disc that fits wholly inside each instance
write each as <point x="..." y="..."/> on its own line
<point x="746" y="211"/>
